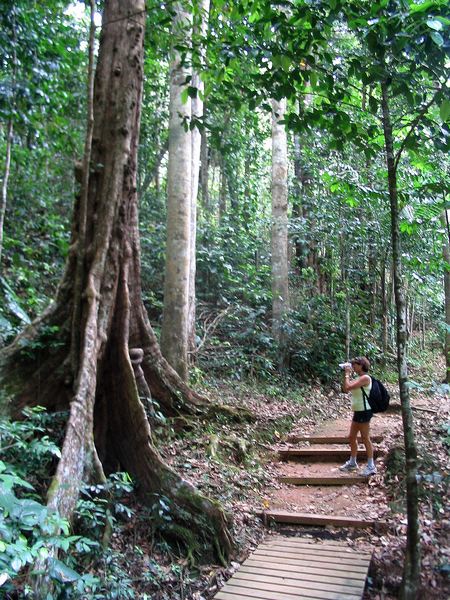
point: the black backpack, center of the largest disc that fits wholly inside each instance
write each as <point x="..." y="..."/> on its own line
<point x="378" y="397"/>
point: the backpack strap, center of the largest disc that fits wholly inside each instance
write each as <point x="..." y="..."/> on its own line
<point x="365" y="396"/>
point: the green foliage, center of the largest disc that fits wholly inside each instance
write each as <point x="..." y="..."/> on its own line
<point x="27" y="445"/>
<point x="445" y="428"/>
<point x="29" y="532"/>
<point x="42" y="94"/>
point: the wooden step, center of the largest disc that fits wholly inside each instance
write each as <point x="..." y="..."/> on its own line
<point x="321" y="480"/>
<point x="325" y="454"/>
<point x="296" y="518"/>
<point x="293" y="568"/>
<point x="328" y="439"/>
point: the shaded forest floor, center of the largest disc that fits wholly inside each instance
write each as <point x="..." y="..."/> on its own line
<point x="236" y="463"/>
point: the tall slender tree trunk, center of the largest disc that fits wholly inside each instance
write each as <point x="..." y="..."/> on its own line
<point x="197" y="113"/>
<point x="297" y="213"/>
<point x="9" y="143"/>
<point x="222" y="188"/>
<point x="411" y="573"/>
<point x="6" y="173"/>
<point x="384" y="311"/>
<point x="174" y="330"/>
<point x="279" y="242"/>
<point x="204" y="169"/>
<point x="446" y="254"/>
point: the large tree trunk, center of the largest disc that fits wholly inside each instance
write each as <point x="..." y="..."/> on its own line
<point x="119" y="358"/>
<point x="280" y="270"/>
<point x="411" y="573"/>
<point x="174" y="330"/>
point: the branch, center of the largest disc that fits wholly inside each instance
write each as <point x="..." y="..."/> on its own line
<point x="413" y="126"/>
<point x="211" y="327"/>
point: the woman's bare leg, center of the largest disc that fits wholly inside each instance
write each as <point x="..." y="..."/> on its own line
<point x="353" y="434"/>
<point x="364" y="428"/>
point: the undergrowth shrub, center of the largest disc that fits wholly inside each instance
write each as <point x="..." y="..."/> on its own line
<point x="31" y="534"/>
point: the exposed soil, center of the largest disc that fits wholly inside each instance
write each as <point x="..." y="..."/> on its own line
<point x="359" y="500"/>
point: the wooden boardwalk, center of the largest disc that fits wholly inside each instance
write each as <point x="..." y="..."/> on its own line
<point x="291" y="568"/>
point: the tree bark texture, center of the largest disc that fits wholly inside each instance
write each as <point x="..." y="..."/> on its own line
<point x="411" y="573"/>
<point x="197" y="113"/>
<point x="6" y="173"/>
<point x="119" y="361"/>
<point x="204" y="157"/>
<point x="279" y="239"/>
<point x="446" y="255"/>
<point x="174" y="331"/>
<point x="297" y="208"/>
<point x="9" y="143"/>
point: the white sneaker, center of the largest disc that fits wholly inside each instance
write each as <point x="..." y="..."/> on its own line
<point x="348" y="466"/>
<point x="367" y="471"/>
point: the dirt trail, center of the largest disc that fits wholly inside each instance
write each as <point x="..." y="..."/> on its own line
<point x="363" y="500"/>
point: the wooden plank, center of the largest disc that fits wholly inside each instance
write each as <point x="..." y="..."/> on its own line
<point x="294" y="568"/>
<point x="308" y="542"/>
<point x="328" y="439"/>
<point x="319" y="547"/>
<point x="302" y="555"/>
<point x="319" y="550"/>
<point x="292" y="585"/>
<point x="279" y="516"/>
<point x="244" y="593"/>
<point x="319" y="480"/>
<point x="311" y="574"/>
<point x="289" y="567"/>
<point x="313" y="453"/>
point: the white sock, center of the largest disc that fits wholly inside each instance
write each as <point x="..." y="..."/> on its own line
<point x="352" y="460"/>
<point x="370" y="463"/>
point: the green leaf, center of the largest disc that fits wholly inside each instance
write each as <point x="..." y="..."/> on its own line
<point x="418" y="8"/>
<point x="444" y="110"/>
<point x="285" y="63"/>
<point x="184" y="95"/>
<point x="12" y="302"/>
<point x="437" y="38"/>
<point x="434" y="24"/>
<point x="61" y="572"/>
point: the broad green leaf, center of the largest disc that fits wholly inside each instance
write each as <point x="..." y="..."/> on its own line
<point x="434" y="24"/>
<point x="437" y="38"/>
<point x="418" y="8"/>
<point x="61" y="572"/>
<point x="444" y="110"/>
<point x="184" y="95"/>
<point x="285" y="63"/>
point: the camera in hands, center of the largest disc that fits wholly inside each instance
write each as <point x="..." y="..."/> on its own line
<point x="345" y="365"/>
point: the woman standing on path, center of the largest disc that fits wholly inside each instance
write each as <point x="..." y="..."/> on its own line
<point x="361" y="413"/>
